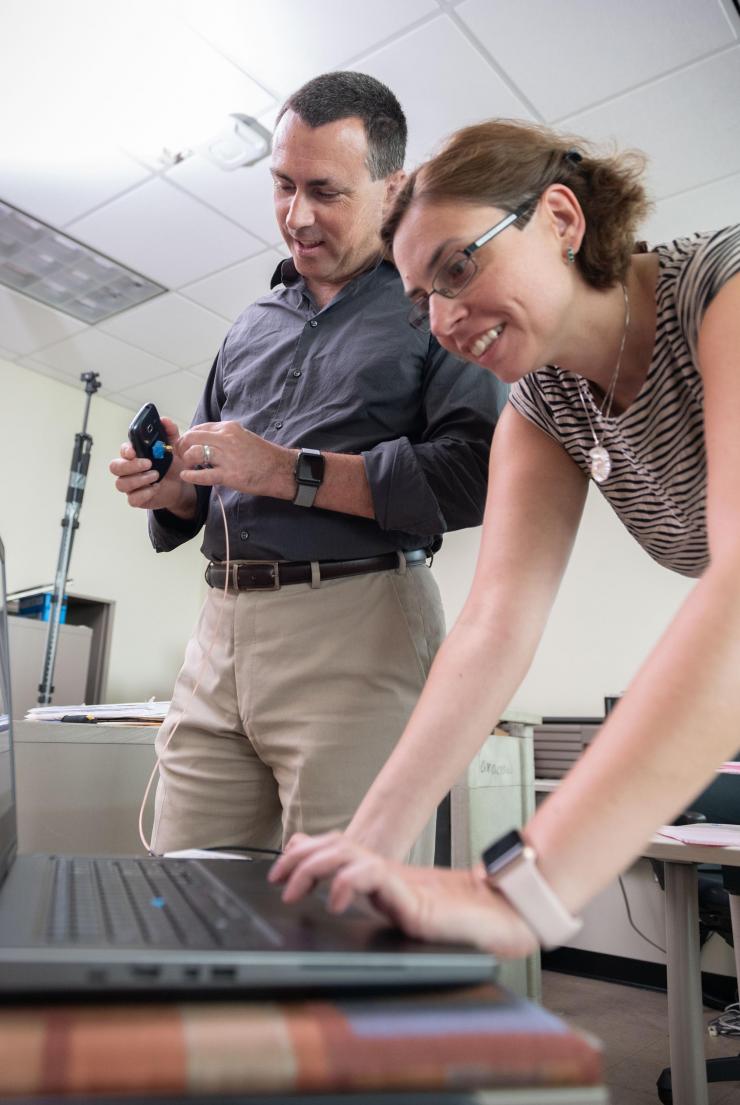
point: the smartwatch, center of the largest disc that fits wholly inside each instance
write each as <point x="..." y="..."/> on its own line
<point x="309" y="472"/>
<point x="511" y="868"/>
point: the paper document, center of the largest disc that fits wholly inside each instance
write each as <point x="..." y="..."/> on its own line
<point x="136" y="713"/>
<point x="718" y="836"/>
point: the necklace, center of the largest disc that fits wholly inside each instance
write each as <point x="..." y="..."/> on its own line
<point x="600" y="463"/>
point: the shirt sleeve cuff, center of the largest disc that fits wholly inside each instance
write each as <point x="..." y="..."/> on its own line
<point x="167" y="531"/>
<point x="402" y="497"/>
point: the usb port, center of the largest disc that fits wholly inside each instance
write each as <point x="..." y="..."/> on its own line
<point x="140" y="971"/>
<point x="223" y="972"/>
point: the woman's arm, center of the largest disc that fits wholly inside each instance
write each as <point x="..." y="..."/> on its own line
<point x="680" y="718"/>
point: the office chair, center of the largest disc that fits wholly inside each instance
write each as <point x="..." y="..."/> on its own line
<point x="719" y="905"/>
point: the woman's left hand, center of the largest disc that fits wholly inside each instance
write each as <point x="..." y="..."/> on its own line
<point x="429" y="903"/>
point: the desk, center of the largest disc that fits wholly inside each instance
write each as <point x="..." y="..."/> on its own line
<point x="685" y="1022"/>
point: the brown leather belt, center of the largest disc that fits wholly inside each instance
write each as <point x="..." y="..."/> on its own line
<point x="269" y="575"/>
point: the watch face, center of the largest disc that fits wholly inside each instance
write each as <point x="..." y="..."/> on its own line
<point x="310" y="466"/>
<point x="498" y="854"/>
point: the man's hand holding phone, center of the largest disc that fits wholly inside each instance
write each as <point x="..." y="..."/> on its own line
<point x="138" y="479"/>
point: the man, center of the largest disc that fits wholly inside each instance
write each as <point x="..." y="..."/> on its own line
<point x="342" y="443"/>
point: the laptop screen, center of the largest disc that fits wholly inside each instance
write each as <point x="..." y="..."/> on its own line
<point x="7" y="803"/>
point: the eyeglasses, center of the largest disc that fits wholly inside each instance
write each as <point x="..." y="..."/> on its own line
<point x="458" y="270"/>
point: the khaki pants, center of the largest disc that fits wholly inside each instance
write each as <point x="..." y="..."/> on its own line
<point x="306" y="691"/>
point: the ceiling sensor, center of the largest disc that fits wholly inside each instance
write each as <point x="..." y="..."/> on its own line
<point x="244" y="141"/>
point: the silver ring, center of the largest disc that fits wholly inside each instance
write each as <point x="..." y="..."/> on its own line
<point x="207" y="456"/>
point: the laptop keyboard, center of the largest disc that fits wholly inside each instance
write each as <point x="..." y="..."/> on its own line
<point x="150" y="903"/>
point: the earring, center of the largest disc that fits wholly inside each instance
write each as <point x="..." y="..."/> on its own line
<point x="569" y="256"/>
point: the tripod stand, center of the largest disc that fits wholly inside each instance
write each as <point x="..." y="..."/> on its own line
<point x="70" y="522"/>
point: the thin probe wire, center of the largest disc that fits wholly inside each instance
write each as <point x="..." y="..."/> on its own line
<point x="204" y="661"/>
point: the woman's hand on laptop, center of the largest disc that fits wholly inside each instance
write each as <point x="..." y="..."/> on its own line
<point x="429" y="903"/>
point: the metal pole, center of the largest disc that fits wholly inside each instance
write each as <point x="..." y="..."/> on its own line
<point x="683" y="968"/>
<point x="70" y="522"/>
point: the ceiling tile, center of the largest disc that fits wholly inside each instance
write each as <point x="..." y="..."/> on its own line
<point x="566" y="36"/>
<point x="27" y="326"/>
<point x="172" y="328"/>
<point x="120" y="365"/>
<point x="184" y="88"/>
<point x="707" y="208"/>
<point x="245" y="195"/>
<point x="283" y="45"/>
<point x="230" y="291"/>
<point x="82" y="74"/>
<point x="175" y="396"/>
<point x="165" y="234"/>
<point x="465" y="87"/>
<point x="202" y="369"/>
<point x="64" y="188"/>
<point x="688" y="124"/>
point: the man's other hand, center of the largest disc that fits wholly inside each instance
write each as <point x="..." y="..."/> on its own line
<point x="227" y="454"/>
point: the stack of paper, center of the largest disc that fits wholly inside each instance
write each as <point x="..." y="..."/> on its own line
<point x="715" y="836"/>
<point x="108" y="713"/>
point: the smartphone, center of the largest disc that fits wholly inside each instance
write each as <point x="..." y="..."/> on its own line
<point x="147" y="435"/>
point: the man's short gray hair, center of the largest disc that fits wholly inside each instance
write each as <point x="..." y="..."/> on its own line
<point x="346" y="95"/>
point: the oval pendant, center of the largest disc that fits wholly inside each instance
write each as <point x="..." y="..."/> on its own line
<point x="600" y="463"/>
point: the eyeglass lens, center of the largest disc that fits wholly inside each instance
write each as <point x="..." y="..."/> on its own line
<point x="454" y="275"/>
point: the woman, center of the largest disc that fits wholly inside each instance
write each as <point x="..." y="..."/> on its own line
<point x="517" y="246"/>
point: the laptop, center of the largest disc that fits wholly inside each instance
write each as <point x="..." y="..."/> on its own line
<point x="74" y="924"/>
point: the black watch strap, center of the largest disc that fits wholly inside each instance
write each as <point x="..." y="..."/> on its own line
<point x="309" y="474"/>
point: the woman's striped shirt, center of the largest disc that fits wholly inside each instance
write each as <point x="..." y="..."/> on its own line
<point x="657" y="484"/>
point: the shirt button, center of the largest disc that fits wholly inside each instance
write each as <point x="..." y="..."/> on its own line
<point x="313" y="322"/>
<point x="278" y="425"/>
<point x="244" y="535"/>
<point x="297" y="372"/>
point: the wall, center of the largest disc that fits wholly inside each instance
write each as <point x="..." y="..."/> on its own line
<point x="157" y="596"/>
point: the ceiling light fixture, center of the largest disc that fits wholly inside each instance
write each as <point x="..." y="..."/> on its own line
<point x="57" y="270"/>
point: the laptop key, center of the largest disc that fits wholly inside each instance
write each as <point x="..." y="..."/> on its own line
<point x="195" y="928"/>
<point x="239" y="919"/>
<point x="76" y="913"/>
<point x="151" y="909"/>
<point x="124" y="926"/>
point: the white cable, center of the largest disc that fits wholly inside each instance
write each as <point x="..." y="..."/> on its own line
<point x="206" y="657"/>
<point x="727" y="1023"/>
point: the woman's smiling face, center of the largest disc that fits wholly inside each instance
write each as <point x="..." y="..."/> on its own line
<point x="510" y="316"/>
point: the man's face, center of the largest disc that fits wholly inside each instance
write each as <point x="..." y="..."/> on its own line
<point x="328" y="208"/>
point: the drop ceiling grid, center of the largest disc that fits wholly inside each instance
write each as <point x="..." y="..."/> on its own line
<point x="664" y="76"/>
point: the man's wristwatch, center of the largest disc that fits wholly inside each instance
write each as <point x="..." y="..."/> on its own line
<point x="309" y="472"/>
<point x="511" y="867"/>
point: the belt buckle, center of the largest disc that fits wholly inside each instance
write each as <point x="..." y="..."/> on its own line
<point x="274" y="564"/>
